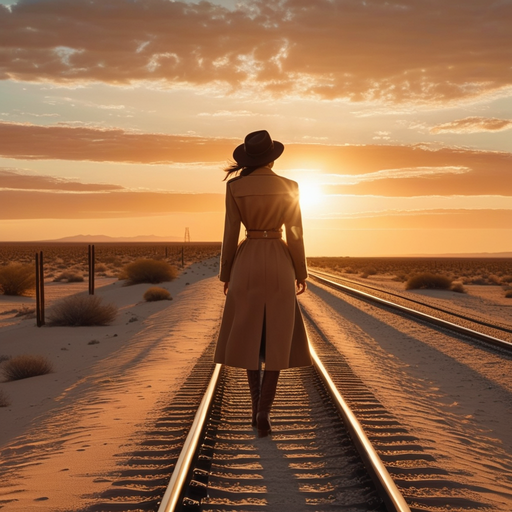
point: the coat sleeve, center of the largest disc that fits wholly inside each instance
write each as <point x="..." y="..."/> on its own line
<point x="294" y="238"/>
<point x="231" y="234"/>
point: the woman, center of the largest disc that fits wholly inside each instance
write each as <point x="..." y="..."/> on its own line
<point x="261" y="315"/>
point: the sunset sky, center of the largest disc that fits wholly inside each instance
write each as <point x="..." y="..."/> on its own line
<point x="118" y="116"/>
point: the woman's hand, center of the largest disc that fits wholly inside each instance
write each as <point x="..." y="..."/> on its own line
<point x="301" y="286"/>
<point x="226" y="285"/>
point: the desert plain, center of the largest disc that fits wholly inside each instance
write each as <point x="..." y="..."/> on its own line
<point x="62" y="432"/>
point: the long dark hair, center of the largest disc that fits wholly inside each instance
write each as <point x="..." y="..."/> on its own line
<point x="235" y="168"/>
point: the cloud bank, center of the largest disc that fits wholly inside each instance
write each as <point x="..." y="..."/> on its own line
<point x="473" y="125"/>
<point x="386" y="170"/>
<point x="29" y="204"/>
<point x="11" y="179"/>
<point x="411" y="51"/>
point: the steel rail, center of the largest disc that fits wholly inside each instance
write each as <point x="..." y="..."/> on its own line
<point x="430" y="306"/>
<point x="388" y="491"/>
<point x="183" y="465"/>
<point x="418" y="314"/>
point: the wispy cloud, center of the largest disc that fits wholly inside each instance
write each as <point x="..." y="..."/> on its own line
<point x="29" y="204"/>
<point x="17" y="180"/>
<point x="403" y="173"/>
<point x="473" y="125"/>
<point x="65" y="142"/>
<point x="422" y="219"/>
<point x="434" y="51"/>
<point x="228" y="113"/>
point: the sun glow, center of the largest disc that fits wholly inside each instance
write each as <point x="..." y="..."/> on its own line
<point x="310" y="194"/>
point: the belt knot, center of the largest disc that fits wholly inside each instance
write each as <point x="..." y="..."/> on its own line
<point x="263" y="233"/>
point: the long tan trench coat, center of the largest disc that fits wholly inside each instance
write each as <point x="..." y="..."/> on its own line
<point x="261" y="273"/>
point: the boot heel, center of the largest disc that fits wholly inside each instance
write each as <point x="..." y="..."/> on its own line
<point x="263" y="424"/>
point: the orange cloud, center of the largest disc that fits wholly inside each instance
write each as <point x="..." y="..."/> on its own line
<point x="421" y="219"/>
<point x="11" y="179"/>
<point x="393" y="52"/>
<point x="23" y="204"/>
<point x="473" y="125"/>
<point x="375" y="169"/>
<point x="32" y="142"/>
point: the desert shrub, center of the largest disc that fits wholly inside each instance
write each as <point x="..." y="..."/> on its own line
<point x="4" y="401"/>
<point x="100" y="267"/>
<point x="26" y="311"/>
<point x="148" y="271"/>
<point x="430" y="281"/>
<point x="78" y="310"/>
<point x="506" y="279"/>
<point x="25" y="366"/>
<point x="458" y="287"/>
<point x="70" y="277"/>
<point x="156" y="293"/>
<point x="17" y="278"/>
<point x="493" y="279"/>
<point x="479" y="280"/>
<point x="368" y="271"/>
<point x="4" y="358"/>
<point x="508" y="294"/>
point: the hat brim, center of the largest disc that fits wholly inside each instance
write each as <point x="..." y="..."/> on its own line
<point x="242" y="158"/>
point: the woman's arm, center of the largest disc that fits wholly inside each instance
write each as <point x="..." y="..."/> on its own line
<point x="293" y="223"/>
<point x="231" y="234"/>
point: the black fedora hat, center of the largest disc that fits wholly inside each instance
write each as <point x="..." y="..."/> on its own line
<point x="257" y="149"/>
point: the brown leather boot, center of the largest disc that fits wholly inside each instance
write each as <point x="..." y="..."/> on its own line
<point x="253" y="377"/>
<point x="267" y="395"/>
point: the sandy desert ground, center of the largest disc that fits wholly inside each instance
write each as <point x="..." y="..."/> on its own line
<point x="64" y="429"/>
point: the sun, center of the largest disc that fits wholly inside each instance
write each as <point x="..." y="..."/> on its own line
<point x="310" y="194"/>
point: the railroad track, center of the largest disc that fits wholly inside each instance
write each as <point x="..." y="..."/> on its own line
<point x="334" y="446"/>
<point x="321" y="452"/>
<point x="497" y="335"/>
<point x="313" y="458"/>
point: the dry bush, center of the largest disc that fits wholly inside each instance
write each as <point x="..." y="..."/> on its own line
<point x="508" y="294"/>
<point x="458" y="287"/>
<point x="25" y="366"/>
<point x="100" y="267"/>
<point x="70" y="277"/>
<point x="4" y="401"/>
<point x="493" y="279"/>
<point x="80" y="310"/>
<point x="506" y="279"/>
<point x="26" y="311"/>
<point x="156" y="293"/>
<point x="429" y="281"/>
<point x="4" y="358"/>
<point x="369" y="271"/>
<point x="17" y="278"/>
<point x="148" y="271"/>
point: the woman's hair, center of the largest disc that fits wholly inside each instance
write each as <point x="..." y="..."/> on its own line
<point x="244" y="171"/>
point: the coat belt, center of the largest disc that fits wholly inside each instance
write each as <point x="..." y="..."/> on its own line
<point x="263" y="233"/>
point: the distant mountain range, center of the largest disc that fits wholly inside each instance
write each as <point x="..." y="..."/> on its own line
<point x="464" y="255"/>
<point x="115" y="239"/>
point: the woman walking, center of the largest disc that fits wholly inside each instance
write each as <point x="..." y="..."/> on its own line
<point x="262" y="320"/>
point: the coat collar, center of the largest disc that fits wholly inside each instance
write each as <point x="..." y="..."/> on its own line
<point x="263" y="171"/>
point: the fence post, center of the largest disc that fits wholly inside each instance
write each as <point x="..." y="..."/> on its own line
<point x="41" y="292"/>
<point x="38" y="298"/>
<point x="91" y="269"/>
<point x="39" y="289"/>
